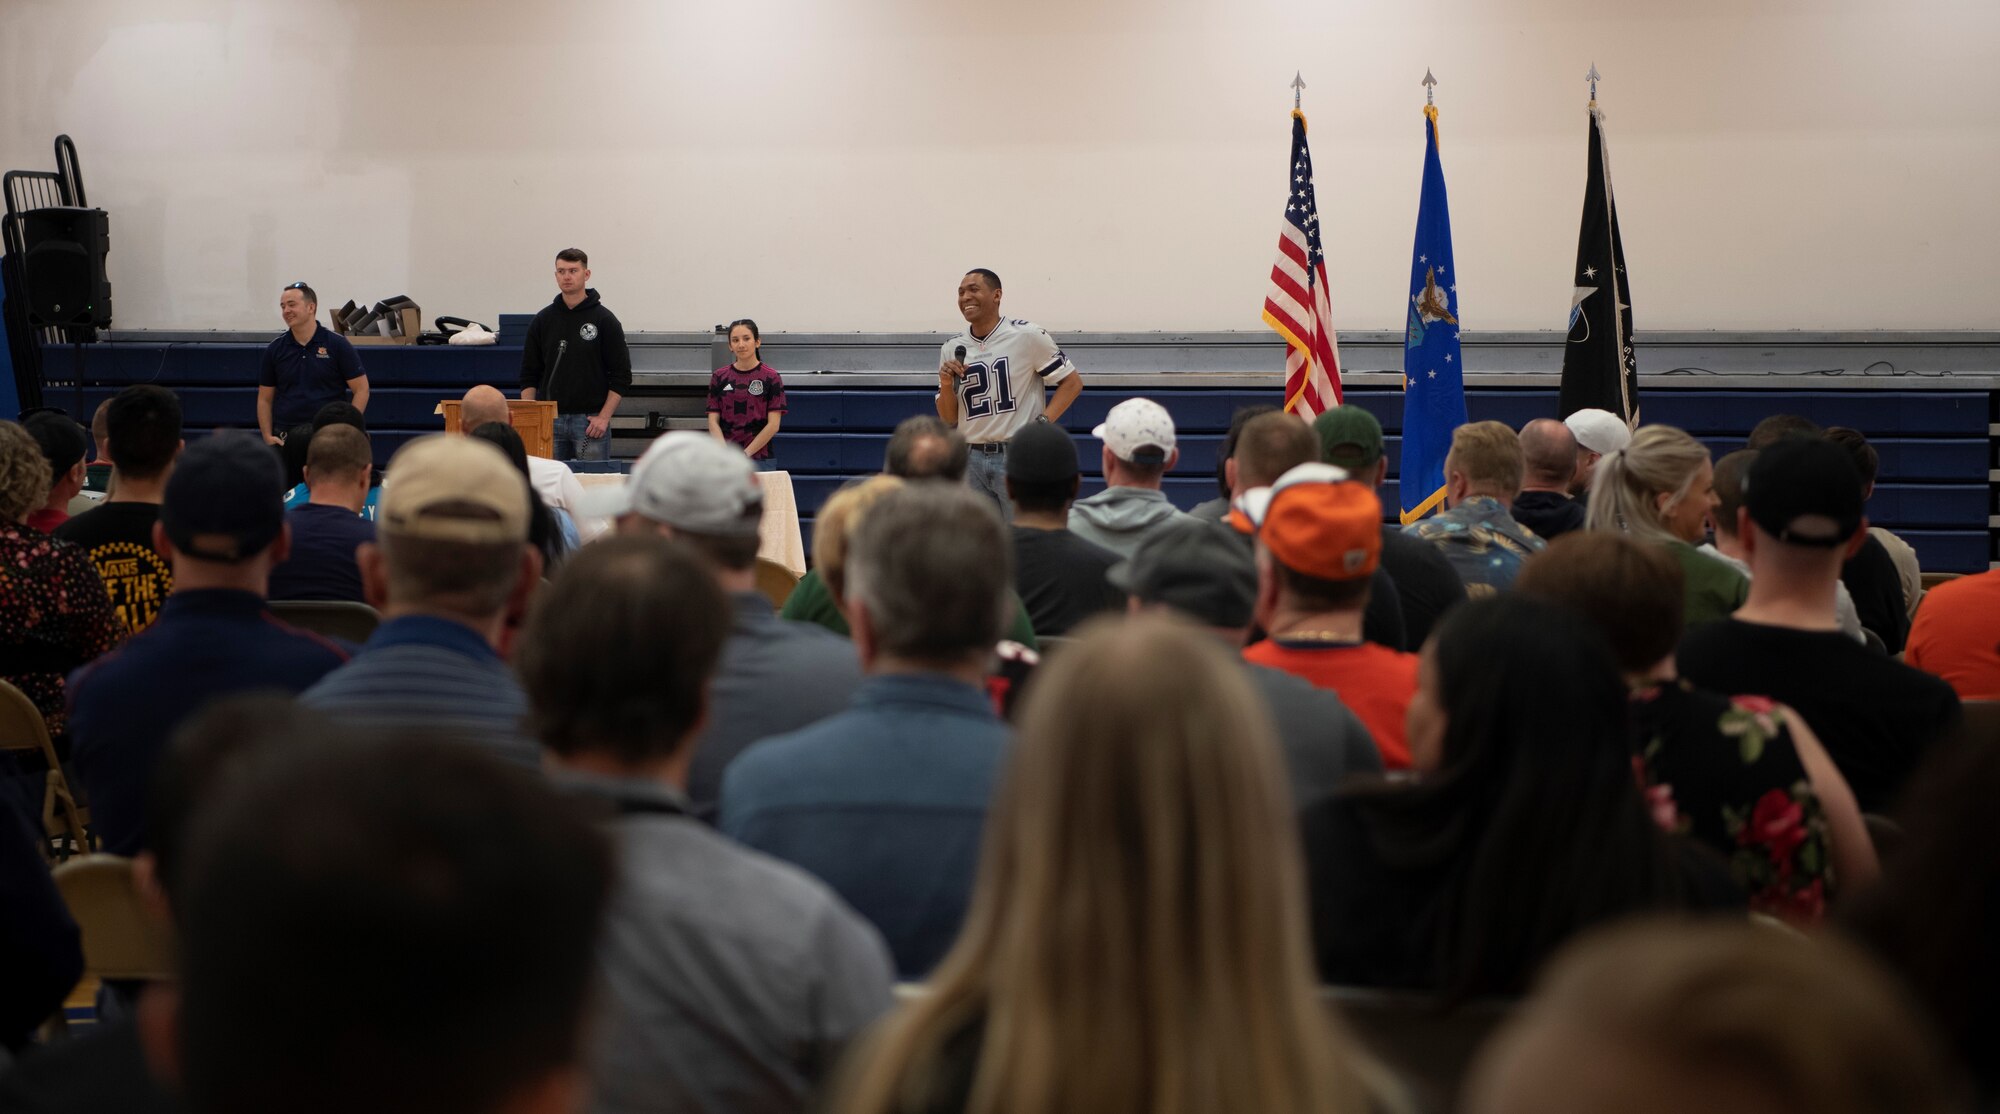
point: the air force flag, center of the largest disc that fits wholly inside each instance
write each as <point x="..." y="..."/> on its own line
<point x="1433" y="375"/>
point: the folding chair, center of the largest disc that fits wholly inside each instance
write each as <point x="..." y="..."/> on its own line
<point x="23" y="732"/>
<point x="122" y="938"/>
<point x="345" y="619"/>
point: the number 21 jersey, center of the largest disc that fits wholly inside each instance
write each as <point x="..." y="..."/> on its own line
<point x="1006" y="377"/>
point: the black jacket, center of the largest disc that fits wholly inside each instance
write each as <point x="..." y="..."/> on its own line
<point x="574" y="357"/>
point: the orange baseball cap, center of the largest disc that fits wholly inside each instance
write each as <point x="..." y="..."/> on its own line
<point x="1318" y="522"/>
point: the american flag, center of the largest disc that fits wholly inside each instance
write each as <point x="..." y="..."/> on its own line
<point x="1296" y="306"/>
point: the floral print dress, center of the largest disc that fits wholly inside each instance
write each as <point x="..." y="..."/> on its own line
<point x="54" y="616"/>
<point x="1722" y="771"/>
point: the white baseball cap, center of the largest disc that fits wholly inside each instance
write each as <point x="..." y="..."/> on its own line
<point x="1600" y="431"/>
<point x="1139" y="430"/>
<point x="689" y="480"/>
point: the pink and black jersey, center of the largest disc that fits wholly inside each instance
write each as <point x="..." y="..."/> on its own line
<point x="743" y="402"/>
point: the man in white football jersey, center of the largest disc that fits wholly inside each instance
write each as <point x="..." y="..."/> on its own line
<point x="991" y="380"/>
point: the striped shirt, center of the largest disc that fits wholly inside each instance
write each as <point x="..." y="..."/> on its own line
<point x="420" y="673"/>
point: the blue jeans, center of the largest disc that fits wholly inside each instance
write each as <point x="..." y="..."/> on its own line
<point x="572" y="441"/>
<point x="768" y="464"/>
<point x="986" y="473"/>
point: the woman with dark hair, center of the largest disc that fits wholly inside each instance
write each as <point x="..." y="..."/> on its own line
<point x="746" y="398"/>
<point x="1743" y="774"/>
<point x="1524" y="826"/>
<point x="549" y="531"/>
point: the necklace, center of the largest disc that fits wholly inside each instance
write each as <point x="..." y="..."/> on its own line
<point x="1301" y="635"/>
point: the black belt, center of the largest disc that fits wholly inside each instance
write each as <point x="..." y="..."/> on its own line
<point x="988" y="447"/>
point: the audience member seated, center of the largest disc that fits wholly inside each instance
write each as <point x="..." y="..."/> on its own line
<point x="1273" y="445"/>
<point x="328" y="528"/>
<point x="1598" y="433"/>
<point x="1660" y="490"/>
<point x="1953" y="635"/>
<point x="1200" y="573"/>
<point x="103" y="1067"/>
<point x="64" y="444"/>
<point x="1869" y="573"/>
<point x="39" y="942"/>
<point x="1548" y="454"/>
<point x="1217" y="509"/>
<point x="1743" y="775"/>
<point x="776" y="675"/>
<point x="1720" y="1018"/>
<point x="143" y="424"/>
<point x="222" y="529"/>
<point x="731" y="980"/>
<point x="886" y="801"/>
<point x="1801" y="517"/>
<point x="1524" y="826"/>
<point x="1476" y="532"/>
<point x="395" y="928"/>
<point x="1728" y="547"/>
<point x="1934" y="917"/>
<point x="553" y="480"/>
<point x="54" y="613"/>
<point x="1886" y="612"/>
<point x="449" y="570"/>
<point x="550" y="531"/>
<point x="1426" y="585"/>
<point x="924" y="448"/>
<point x="1059" y="576"/>
<point x="1139" y="450"/>
<point x="1137" y="942"/>
<point x="1319" y="539"/>
<point x="816" y="597"/>
<point x="297" y="452"/>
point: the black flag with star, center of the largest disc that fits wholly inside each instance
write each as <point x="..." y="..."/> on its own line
<point x="1599" y="368"/>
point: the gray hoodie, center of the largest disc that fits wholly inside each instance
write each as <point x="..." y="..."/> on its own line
<point x="1119" y="518"/>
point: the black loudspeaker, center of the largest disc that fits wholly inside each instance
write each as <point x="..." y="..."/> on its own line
<point x="63" y="262"/>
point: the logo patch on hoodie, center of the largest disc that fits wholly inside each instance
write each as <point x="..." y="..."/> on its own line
<point x="588" y="331"/>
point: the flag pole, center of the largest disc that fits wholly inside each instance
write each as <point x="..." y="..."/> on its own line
<point x="1593" y="79"/>
<point x="1430" y="87"/>
<point x="1298" y="87"/>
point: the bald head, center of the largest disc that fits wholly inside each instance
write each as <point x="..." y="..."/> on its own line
<point x="480" y="405"/>
<point x="1549" y="450"/>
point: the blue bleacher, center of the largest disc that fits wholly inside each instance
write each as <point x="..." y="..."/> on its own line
<point x="1935" y="446"/>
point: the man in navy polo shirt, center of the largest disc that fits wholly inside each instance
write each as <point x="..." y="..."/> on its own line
<point x="222" y="527"/>
<point x="307" y="367"/>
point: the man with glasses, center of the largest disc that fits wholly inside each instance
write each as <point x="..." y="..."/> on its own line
<point x="307" y="367"/>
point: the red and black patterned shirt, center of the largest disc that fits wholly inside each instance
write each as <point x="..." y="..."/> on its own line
<point x="54" y="616"/>
<point x="743" y="402"/>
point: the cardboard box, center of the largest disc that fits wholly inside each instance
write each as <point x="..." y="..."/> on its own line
<point x="401" y="326"/>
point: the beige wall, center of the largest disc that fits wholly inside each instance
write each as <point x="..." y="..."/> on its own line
<point x="835" y="164"/>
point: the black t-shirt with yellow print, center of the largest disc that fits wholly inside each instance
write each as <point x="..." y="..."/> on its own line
<point x="119" y="539"/>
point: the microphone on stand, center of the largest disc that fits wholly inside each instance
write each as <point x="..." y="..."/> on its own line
<point x="562" y="349"/>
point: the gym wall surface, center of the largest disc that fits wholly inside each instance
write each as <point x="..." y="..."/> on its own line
<point x="835" y="164"/>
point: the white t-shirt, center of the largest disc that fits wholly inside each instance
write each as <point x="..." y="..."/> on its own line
<point x="1006" y="377"/>
<point x="558" y="487"/>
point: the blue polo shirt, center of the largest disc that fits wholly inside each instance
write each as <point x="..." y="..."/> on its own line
<point x="125" y="706"/>
<point x="307" y="376"/>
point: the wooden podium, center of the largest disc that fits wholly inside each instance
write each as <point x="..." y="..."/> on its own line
<point x="534" y="421"/>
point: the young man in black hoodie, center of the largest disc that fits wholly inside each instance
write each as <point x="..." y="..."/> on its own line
<point x="575" y="356"/>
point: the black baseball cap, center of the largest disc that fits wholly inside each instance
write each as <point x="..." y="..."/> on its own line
<point x="1804" y="491"/>
<point x="226" y="498"/>
<point x="63" y="442"/>
<point x="1199" y="569"/>
<point x="1040" y="454"/>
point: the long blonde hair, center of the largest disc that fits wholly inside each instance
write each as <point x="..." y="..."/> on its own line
<point x="1137" y="938"/>
<point x="1660" y="460"/>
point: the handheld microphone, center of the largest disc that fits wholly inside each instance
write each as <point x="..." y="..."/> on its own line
<point x="959" y="355"/>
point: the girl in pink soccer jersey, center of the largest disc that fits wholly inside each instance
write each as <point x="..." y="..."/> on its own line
<point x="746" y="398"/>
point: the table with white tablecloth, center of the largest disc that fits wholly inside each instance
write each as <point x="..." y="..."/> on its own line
<point x="778" y="537"/>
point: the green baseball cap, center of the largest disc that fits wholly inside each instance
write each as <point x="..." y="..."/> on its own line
<point x="1349" y="437"/>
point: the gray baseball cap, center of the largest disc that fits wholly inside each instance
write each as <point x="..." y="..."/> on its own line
<point x="690" y="481"/>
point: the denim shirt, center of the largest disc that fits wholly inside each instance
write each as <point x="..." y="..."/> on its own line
<point x="886" y="802"/>
<point x="1482" y="541"/>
